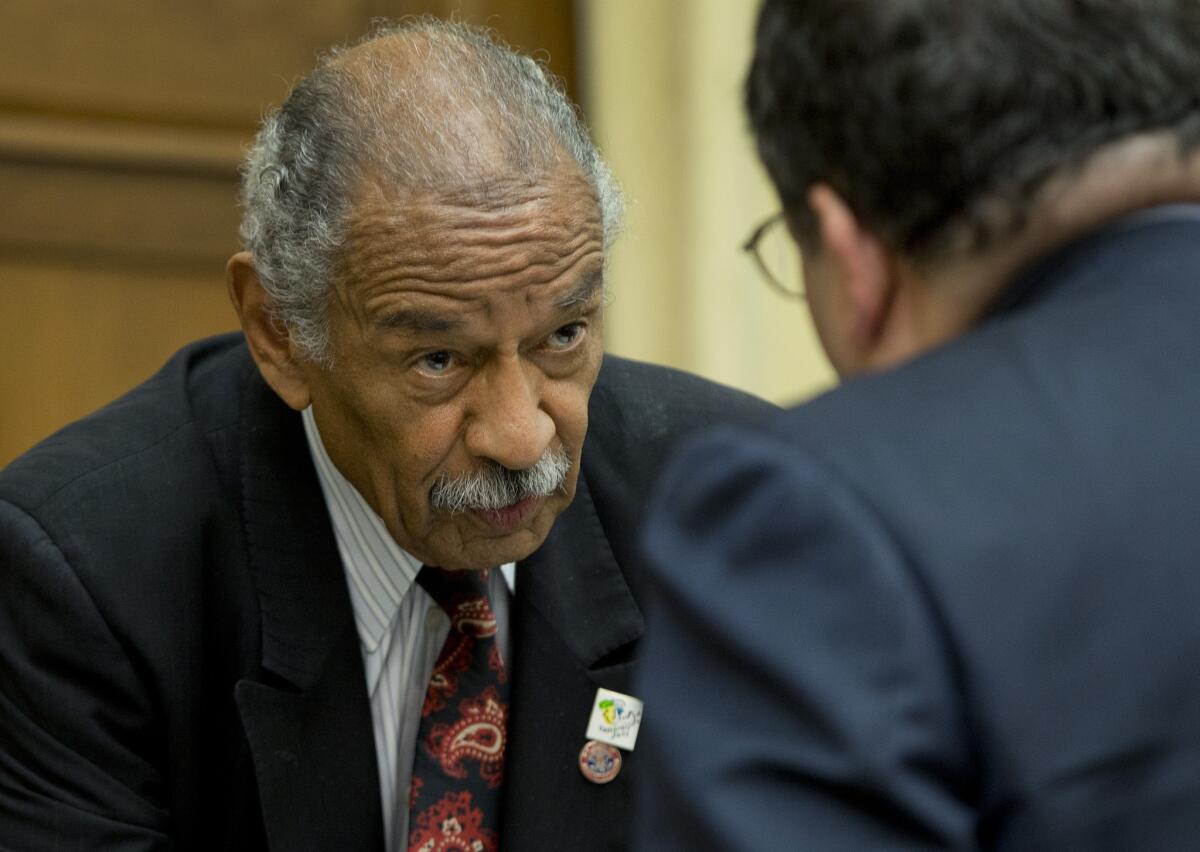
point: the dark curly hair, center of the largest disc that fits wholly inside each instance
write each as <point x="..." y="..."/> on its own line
<point x="936" y="120"/>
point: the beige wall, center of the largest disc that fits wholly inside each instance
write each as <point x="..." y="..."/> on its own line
<point x="662" y="82"/>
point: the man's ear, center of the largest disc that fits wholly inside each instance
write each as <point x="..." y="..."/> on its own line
<point x="266" y="337"/>
<point x="859" y="263"/>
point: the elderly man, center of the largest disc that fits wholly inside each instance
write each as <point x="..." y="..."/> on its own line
<point x="353" y="582"/>
<point x="953" y="603"/>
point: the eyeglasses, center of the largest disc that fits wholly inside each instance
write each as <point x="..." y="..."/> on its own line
<point x="777" y="256"/>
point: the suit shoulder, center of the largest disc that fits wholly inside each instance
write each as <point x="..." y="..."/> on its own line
<point x="936" y="406"/>
<point x="142" y="438"/>
<point x="647" y="401"/>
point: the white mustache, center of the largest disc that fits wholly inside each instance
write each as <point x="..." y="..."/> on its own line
<point x="494" y="486"/>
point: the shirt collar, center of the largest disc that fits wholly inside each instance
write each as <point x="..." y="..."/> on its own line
<point x="379" y="572"/>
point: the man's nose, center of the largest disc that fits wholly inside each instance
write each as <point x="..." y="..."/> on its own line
<point x="508" y="425"/>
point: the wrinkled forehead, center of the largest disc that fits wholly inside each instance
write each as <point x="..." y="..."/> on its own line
<point x="504" y="231"/>
<point x="485" y="188"/>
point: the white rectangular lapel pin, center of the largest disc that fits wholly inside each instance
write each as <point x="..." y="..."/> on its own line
<point x="615" y="719"/>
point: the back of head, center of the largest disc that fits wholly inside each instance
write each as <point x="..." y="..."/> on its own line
<point x="421" y="109"/>
<point x="939" y="120"/>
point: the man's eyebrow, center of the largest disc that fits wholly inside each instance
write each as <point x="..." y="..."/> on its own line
<point x="584" y="291"/>
<point x="412" y="319"/>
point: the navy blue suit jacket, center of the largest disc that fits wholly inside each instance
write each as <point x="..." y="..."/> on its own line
<point x="956" y="605"/>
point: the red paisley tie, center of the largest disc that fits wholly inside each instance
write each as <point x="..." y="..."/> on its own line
<point x="455" y="799"/>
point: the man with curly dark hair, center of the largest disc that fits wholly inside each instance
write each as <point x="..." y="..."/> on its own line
<point x="952" y="603"/>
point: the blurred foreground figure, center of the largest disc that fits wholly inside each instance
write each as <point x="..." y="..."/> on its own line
<point x="954" y="603"/>
<point x="268" y="599"/>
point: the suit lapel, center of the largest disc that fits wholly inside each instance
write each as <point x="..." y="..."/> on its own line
<point x="575" y="626"/>
<point x="307" y="718"/>
<point x="575" y="583"/>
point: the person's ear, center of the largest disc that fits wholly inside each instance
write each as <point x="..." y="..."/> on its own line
<point x="267" y="338"/>
<point x="858" y="262"/>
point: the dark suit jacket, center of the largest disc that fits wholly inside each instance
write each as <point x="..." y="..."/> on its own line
<point x="178" y="658"/>
<point x="954" y="606"/>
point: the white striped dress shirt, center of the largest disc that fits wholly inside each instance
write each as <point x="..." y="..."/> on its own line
<point x="400" y="629"/>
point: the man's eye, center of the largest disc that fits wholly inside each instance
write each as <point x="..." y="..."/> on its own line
<point x="436" y="362"/>
<point x="565" y="337"/>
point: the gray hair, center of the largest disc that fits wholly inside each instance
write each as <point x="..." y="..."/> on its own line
<point x="418" y="129"/>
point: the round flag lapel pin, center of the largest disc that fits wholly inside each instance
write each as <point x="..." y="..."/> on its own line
<point x="599" y="762"/>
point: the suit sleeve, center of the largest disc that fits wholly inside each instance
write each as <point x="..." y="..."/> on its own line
<point x="797" y="690"/>
<point x="77" y="743"/>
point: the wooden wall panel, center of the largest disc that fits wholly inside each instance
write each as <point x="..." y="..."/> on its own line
<point x="121" y="215"/>
<point x="76" y="335"/>
<point x="200" y="63"/>
<point x="544" y="29"/>
<point x="122" y="124"/>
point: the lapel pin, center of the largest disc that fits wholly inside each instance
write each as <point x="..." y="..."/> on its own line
<point x="599" y="762"/>
<point x="615" y="719"/>
<point x="613" y="725"/>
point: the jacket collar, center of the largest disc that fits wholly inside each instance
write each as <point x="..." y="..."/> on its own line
<point x="1056" y="272"/>
<point x="576" y="584"/>
<point x="293" y="556"/>
<point x="306" y="716"/>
